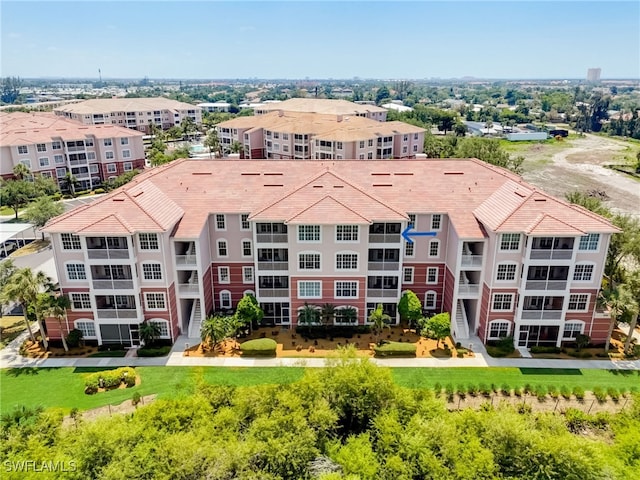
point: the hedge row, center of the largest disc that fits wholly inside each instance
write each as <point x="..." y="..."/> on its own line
<point x="395" y="349"/>
<point x="153" y="352"/>
<point x="261" y="347"/>
<point x="110" y="379"/>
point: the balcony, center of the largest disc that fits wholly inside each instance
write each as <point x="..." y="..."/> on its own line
<point x="189" y="288"/>
<point x="105" y="313"/>
<point x="384" y="238"/>
<point x="382" y="293"/>
<point x="103" y="253"/>
<point x="272" y="238"/>
<point x="541" y="314"/>
<point x="273" y="292"/>
<point x="186" y="260"/>
<point x="542" y="254"/>
<point x="546" y="285"/>
<point x="273" y="266"/>
<point x="109" y="284"/>
<point x="384" y="266"/>
<point x="471" y="261"/>
<point x="76" y="149"/>
<point x="468" y="289"/>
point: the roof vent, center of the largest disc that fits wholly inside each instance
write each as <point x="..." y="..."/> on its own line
<point x="250" y="174"/>
<point x="382" y="185"/>
<point x="381" y="174"/>
<point x="138" y="194"/>
<point x="273" y="185"/>
<point x="403" y="173"/>
<point x="317" y="186"/>
<point x="338" y="186"/>
<point x="520" y="194"/>
<point x="118" y="199"/>
<point x="539" y="199"/>
<point x="454" y="173"/>
<point x="200" y="173"/>
<point x="266" y="174"/>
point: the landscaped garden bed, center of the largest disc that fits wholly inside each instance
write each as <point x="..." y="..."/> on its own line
<point x="103" y="381"/>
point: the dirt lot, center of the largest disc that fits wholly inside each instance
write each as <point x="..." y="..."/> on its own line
<point x="579" y="164"/>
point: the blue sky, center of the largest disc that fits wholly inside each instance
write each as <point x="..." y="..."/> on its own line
<point x="369" y="39"/>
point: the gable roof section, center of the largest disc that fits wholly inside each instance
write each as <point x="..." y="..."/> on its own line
<point x="549" y="225"/>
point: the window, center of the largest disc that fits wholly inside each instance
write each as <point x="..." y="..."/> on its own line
<point x="346" y="289"/>
<point x="163" y="327"/>
<point x="285" y="136"/>
<point x="346" y="261"/>
<point x="221" y="221"/>
<point x="506" y="272"/>
<point x="309" y="261"/>
<point x="70" y="241"/>
<point x="407" y="275"/>
<point x="56" y="145"/>
<point x="346" y="233"/>
<point x="152" y="271"/>
<point x="80" y="301"/>
<point x="502" y="302"/>
<point x="88" y="142"/>
<point x="109" y="156"/>
<point x="432" y="275"/>
<point x="112" y="168"/>
<point x="76" y="271"/>
<point x="58" y="159"/>
<point x="430" y="300"/>
<point x="589" y="242"/>
<point x="148" y="241"/>
<point x="510" y="241"/>
<point x="309" y="289"/>
<point x="44" y="161"/>
<point x="434" y="248"/>
<point x="26" y="162"/>
<point x="107" y="142"/>
<point x="498" y="329"/>
<point x="127" y="166"/>
<point x="339" y="145"/>
<point x="361" y="145"/>
<point x="409" y="250"/>
<point x="583" y="272"/>
<point x="23" y="150"/>
<point x="370" y="156"/>
<point x="93" y="168"/>
<point x="247" y="251"/>
<point x="126" y="153"/>
<point x="247" y="275"/>
<point x="88" y="329"/>
<point x="91" y="155"/>
<point x="222" y="248"/>
<point x="578" y="302"/>
<point x="572" y="330"/>
<point x="436" y="221"/>
<point x="361" y="156"/>
<point x="223" y="275"/>
<point x="244" y="222"/>
<point x="308" y="233"/>
<point x="41" y="147"/>
<point x="225" y="299"/>
<point x="155" y="301"/>
<point x="124" y="141"/>
<point x="46" y="174"/>
<point x="370" y="143"/>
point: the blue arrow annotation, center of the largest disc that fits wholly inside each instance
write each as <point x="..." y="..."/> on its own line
<point x="407" y="234"/>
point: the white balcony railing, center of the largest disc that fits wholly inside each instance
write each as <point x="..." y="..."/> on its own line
<point x="381" y="293"/>
<point x="471" y="260"/>
<point x="468" y="289"/>
<point x="113" y="284"/>
<point x="273" y="266"/>
<point x="542" y="314"/>
<point x="388" y="266"/>
<point x="546" y="285"/>
<point x="189" y="288"/>
<point x="185" y="259"/>
<point x="117" y="313"/>
<point x="273" y="292"/>
<point x="543" y="254"/>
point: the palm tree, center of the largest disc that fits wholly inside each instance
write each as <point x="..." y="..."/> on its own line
<point x="24" y="288"/>
<point x="72" y="182"/>
<point x="57" y="307"/>
<point x="149" y="331"/>
<point x="212" y="141"/>
<point x="327" y="313"/>
<point x="308" y="315"/>
<point x="349" y="315"/>
<point x="215" y="329"/>
<point x="380" y="320"/>
<point x="236" y="147"/>
<point x="21" y="171"/>
<point x="614" y="298"/>
<point x="187" y="125"/>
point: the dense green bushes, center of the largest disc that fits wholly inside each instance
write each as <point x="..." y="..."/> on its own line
<point x="395" y="349"/>
<point x="543" y="349"/>
<point x="110" y="379"/>
<point x="500" y="348"/>
<point x="261" y="347"/>
<point x="153" y="352"/>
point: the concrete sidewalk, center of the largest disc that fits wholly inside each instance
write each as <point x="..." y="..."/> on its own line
<point x="10" y="358"/>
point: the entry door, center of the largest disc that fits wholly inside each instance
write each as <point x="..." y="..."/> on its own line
<point x="523" y="337"/>
<point x="135" y="335"/>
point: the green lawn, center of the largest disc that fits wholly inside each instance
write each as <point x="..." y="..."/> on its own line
<point x="64" y="387"/>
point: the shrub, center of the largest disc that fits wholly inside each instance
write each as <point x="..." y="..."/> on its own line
<point x="614" y="393"/>
<point x="580" y="354"/>
<point x="472" y="390"/>
<point x="136" y="398"/>
<point x="600" y="394"/>
<point x="99" y="190"/>
<point x="461" y="390"/>
<point x="260" y="347"/>
<point x="484" y="389"/>
<point x="553" y="392"/>
<point x="565" y="391"/>
<point x="528" y="388"/>
<point x="541" y="349"/>
<point x="506" y="390"/>
<point x="517" y="391"/>
<point x="578" y="392"/>
<point x="437" y="388"/>
<point x="110" y="379"/>
<point x="541" y="392"/>
<point x="74" y="338"/>
<point x="395" y="349"/>
<point x="153" y="352"/>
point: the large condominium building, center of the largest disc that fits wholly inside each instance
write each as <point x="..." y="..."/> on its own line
<point x="325" y="107"/>
<point x="52" y="146"/>
<point x="135" y="113"/>
<point x="302" y="136"/>
<point x="192" y="237"/>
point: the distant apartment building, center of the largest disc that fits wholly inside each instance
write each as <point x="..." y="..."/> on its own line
<point x="593" y="74"/>
<point x="290" y="135"/>
<point x="326" y="107"/>
<point x="52" y="146"/>
<point x="134" y="113"/>
<point x="215" y="107"/>
<point x="192" y="237"/>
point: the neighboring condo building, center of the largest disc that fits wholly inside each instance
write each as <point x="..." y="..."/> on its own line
<point x="325" y="107"/>
<point x="52" y="146"/>
<point x="304" y="136"/>
<point x="192" y="237"/>
<point x="134" y="113"/>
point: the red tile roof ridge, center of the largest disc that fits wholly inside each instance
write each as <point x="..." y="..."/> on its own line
<point x="322" y="200"/>
<point x="144" y="210"/>
<point x="542" y="217"/>
<point x="115" y="217"/>
<point x="504" y="220"/>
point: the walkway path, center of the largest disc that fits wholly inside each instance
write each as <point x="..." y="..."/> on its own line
<point x="11" y="358"/>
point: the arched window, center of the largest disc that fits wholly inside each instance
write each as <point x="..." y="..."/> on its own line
<point x="249" y="292"/>
<point x="499" y="329"/>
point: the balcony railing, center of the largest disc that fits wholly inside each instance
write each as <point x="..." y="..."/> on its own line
<point x="273" y="292"/>
<point x="382" y="293"/>
<point x="189" y="288"/>
<point x="108" y="253"/>
<point x="75" y="149"/>
<point x="185" y="259"/>
<point x="117" y="313"/>
<point x="540" y="254"/>
<point x="546" y="285"/>
<point x="542" y="314"/>
<point x="471" y="260"/>
<point x="75" y="163"/>
<point x="104" y="284"/>
<point x="384" y="238"/>
<point x="272" y="238"/>
<point x="468" y="289"/>
<point x="273" y="265"/>
<point x="388" y="266"/>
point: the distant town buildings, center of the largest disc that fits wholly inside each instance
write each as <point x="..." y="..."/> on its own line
<point x="593" y="74"/>
<point x="215" y="107"/>
<point x="134" y="113"/>
<point x="53" y="146"/>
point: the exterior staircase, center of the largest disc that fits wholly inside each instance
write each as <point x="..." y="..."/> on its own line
<point x="462" y="327"/>
<point x="195" y="321"/>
